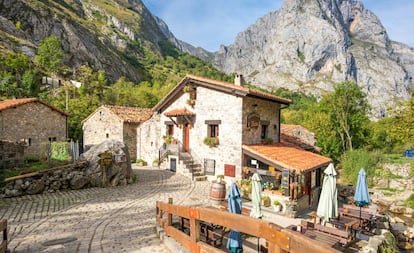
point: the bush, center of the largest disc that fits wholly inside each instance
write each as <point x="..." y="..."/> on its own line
<point x="353" y="160"/>
<point x="410" y="201"/>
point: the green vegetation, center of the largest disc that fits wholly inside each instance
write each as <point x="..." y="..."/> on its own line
<point x="211" y="141"/>
<point x="410" y="201"/>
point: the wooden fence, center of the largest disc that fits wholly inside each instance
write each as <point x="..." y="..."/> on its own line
<point x="3" y="227"/>
<point x="278" y="239"/>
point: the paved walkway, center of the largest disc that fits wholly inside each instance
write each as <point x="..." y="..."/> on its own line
<point x="120" y="219"/>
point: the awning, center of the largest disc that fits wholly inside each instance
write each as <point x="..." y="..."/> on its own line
<point x="179" y="112"/>
<point x="286" y="156"/>
<point x="183" y="113"/>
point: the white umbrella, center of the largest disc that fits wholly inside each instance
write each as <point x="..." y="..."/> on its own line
<point x="328" y="200"/>
<point x="256" y="211"/>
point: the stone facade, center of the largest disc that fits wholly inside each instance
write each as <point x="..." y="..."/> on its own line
<point x="227" y="109"/>
<point x="114" y="123"/>
<point x="100" y="126"/>
<point x="11" y="154"/>
<point x="33" y="122"/>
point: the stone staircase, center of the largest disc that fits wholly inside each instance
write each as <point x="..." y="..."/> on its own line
<point x="190" y="168"/>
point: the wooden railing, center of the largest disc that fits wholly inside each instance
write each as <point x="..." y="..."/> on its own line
<point x="278" y="239"/>
<point x="3" y="227"/>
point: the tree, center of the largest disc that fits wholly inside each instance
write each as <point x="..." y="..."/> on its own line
<point x="347" y="108"/>
<point x="49" y="55"/>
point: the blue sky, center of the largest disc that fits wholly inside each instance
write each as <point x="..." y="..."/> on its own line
<point x="210" y="23"/>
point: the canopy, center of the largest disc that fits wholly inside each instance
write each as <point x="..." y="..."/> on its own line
<point x="234" y="243"/>
<point x="328" y="200"/>
<point x="256" y="211"/>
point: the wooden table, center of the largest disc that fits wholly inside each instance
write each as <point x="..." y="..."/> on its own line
<point x="343" y="222"/>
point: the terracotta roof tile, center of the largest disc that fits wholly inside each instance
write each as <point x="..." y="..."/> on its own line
<point x="6" y="104"/>
<point x="131" y="114"/>
<point x="250" y="91"/>
<point x="288" y="156"/>
<point x="178" y="112"/>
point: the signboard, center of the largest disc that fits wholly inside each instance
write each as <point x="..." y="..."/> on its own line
<point x="229" y="170"/>
<point x="253" y="121"/>
<point x="105" y="158"/>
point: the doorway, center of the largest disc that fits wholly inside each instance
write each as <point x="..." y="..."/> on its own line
<point x="186" y="137"/>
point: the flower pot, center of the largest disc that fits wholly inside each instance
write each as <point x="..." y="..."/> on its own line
<point x="276" y="208"/>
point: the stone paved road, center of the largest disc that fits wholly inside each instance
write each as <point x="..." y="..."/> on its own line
<point x="120" y="219"/>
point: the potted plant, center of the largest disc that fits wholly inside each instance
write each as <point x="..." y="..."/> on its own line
<point x="219" y="178"/>
<point x="265" y="201"/>
<point x="168" y="139"/>
<point x="277" y="205"/>
<point x="211" y="141"/>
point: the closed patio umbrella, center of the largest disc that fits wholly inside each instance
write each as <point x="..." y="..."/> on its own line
<point x="256" y="211"/>
<point x="328" y="200"/>
<point x="361" y="197"/>
<point x="234" y="243"/>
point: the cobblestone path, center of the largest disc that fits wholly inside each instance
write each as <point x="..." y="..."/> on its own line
<point x="119" y="219"/>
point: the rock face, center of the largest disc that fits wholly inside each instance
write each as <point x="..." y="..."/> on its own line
<point x="108" y="36"/>
<point x="310" y="45"/>
<point x="118" y="171"/>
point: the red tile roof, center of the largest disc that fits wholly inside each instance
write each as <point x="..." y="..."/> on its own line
<point x="287" y="156"/>
<point x="178" y="112"/>
<point x="131" y="114"/>
<point x="227" y="87"/>
<point x="6" y="104"/>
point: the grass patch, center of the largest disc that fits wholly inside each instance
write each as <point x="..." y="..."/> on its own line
<point x="410" y="201"/>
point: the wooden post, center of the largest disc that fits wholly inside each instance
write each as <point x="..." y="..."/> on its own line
<point x="194" y="230"/>
<point x="169" y="216"/>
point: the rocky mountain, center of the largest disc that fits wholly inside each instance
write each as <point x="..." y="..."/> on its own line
<point x="104" y="34"/>
<point x="308" y="45"/>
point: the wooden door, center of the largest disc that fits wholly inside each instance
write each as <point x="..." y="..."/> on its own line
<point x="186" y="137"/>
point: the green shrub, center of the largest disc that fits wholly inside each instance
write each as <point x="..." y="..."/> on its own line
<point x="353" y="160"/>
<point x="410" y="201"/>
<point x="211" y="141"/>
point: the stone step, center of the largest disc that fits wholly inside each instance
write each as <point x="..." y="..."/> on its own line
<point x="200" y="178"/>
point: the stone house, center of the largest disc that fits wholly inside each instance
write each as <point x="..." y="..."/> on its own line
<point x="228" y="129"/>
<point x="33" y="122"/>
<point x="114" y="122"/>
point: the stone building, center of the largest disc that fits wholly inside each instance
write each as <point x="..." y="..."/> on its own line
<point x="116" y="123"/>
<point x="33" y="122"/>
<point x="228" y="129"/>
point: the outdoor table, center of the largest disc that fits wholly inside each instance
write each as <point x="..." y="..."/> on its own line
<point x="343" y="222"/>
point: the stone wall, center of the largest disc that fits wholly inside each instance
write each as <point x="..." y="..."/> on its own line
<point x="101" y="125"/>
<point x="93" y="170"/>
<point x="268" y="113"/>
<point x="11" y="154"/>
<point x="35" y="123"/>
<point x="149" y="139"/>
<point x="130" y="139"/>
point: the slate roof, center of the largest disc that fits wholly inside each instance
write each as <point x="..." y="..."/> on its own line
<point x="130" y="114"/>
<point x="10" y="103"/>
<point x="287" y="156"/>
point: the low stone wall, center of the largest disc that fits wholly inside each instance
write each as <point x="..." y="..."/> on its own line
<point x="71" y="176"/>
<point x="11" y="154"/>
<point x="106" y="164"/>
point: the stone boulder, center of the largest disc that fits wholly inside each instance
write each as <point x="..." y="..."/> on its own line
<point x="111" y="169"/>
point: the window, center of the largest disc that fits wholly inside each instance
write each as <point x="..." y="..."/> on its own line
<point x="213" y="128"/>
<point x="263" y="134"/>
<point x="107" y="136"/>
<point x="52" y="139"/>
<point x="213" y="131"/>
<point x="169" y="128"/>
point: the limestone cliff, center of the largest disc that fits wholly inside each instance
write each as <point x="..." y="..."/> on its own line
<point x="308" y="45"/>
<point x="107" y="35"/>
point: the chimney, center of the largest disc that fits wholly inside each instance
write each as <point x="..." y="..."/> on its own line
<point x="238" y="80"/>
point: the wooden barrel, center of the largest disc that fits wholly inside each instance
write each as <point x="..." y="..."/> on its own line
<point x="218" y="191"/>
